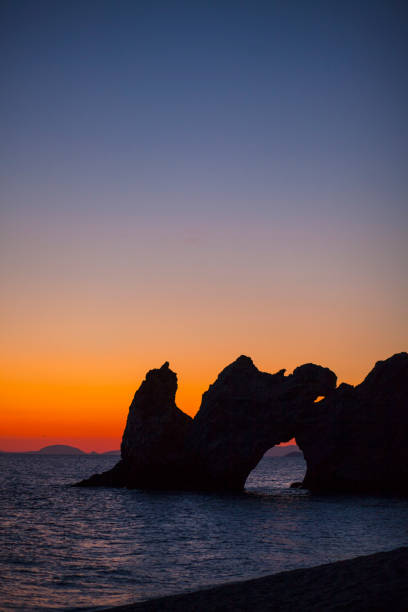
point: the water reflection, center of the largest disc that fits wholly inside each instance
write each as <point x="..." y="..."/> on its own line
<point x="98" y="547"/>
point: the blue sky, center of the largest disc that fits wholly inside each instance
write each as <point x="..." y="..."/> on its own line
<point x="205" y="107"/>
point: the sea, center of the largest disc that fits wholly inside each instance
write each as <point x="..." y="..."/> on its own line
<point x="65" y="548"/>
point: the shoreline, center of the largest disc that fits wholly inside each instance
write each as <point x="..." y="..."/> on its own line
<point x="367" y="583"/>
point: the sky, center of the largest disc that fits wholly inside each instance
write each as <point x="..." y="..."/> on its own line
<point x="189" y="182"/>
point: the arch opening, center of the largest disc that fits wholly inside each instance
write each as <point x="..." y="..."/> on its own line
<point x="281" y="466"/>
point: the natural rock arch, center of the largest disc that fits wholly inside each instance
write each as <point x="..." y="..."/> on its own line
<point x="352" y="440"/>
<point x="246" y="412"/>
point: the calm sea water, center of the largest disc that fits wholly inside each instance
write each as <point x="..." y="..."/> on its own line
<point x="69" y="548"/>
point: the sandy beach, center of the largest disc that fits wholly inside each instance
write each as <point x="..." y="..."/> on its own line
<point x="371" y="583"/>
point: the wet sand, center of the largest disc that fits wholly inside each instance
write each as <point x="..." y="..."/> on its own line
<point x="377" y="582"/>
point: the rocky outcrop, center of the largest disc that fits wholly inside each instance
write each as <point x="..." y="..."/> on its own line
<point x="353" y="440"/>
<point x="357" y="438"/>
<point x="243" y="414"/>
<point x="153" y="443"/>
<point x="246" y="412"/>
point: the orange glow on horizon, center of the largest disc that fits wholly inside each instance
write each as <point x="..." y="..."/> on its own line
<point x="85" y="315"/>
<point x="53" y="407"/>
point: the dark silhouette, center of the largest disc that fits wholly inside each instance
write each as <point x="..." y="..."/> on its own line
<point x="356" y="440"/>
<point x="353" y="440"/>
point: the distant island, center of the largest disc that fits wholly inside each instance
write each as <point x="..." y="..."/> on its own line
<point x="284" y="451"/>
<point x="290" y="450"/>
<point x="59" y="449"/>
<point x="62" y="449"/>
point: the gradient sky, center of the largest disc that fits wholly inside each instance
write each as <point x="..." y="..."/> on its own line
<point x="190" y="181"/>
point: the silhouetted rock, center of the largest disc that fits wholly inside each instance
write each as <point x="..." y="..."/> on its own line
<point x="153" y="451"/>
<point x="353" y="440"/>
<point x="244" y="413"/>
<point x="357" y="439"/>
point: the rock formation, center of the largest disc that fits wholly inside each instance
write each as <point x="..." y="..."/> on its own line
<point x="246" y="412"/>
<point x="356" y="440"/>
<point x="152" y="449"/>
<point x="353" y="440"/>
